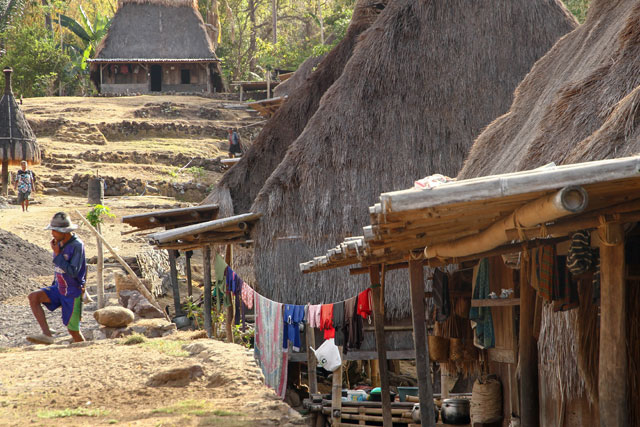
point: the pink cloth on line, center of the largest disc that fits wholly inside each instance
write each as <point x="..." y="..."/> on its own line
<point x="247" y="296"/>
<point x="314" y="315"/>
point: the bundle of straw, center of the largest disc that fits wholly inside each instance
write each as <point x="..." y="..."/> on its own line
<point x="588" y="330"/>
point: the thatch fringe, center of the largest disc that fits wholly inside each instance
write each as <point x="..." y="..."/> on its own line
<point x="221" y="195"/>
<point x="166" y="3"/>
<point x="588" y="336"/>
<point x="557" y="353"/>
<point x="421" y="84"/>
<point x="245" y="179"/>
<point x="14" y="125"/>
<point x="578" y="103"/>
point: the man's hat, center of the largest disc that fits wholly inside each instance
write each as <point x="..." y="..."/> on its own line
<point x="61" y="222"/>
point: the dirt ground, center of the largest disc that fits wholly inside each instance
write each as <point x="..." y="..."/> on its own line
<point x="109" y="382"/>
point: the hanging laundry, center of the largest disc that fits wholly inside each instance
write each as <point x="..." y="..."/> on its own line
<point x="482" y="322"/>
<point x="354" y="326"/>
<point x="238" y="306"/>
<point x="124" y="69"/>
<point x="293" y="315"/>
<point x="580" y="254"/>
<point x="271" y="357"/>
<point x="567" y="288"/>
<point x="247" y="296"/>
<point x="314" y="315"/>
<point x="338" y="322"/>
<point x="441" y="298"/>
<point x="220" y="267"/>
<point x="326" y="321"/>
<point x="365" y="303"/>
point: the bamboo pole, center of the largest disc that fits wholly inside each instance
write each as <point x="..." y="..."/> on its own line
<point x="206" y="263"/>
<point x="336" y="393"/>
<point x="528" y="351"/>
<point x="228" y="258"/>
<point x="100" y="272"/>
<point x="173" y="275"/>
<point x="381" y="346"/>
<point x="425" y="388"/>
<point x="188" y="255"/>
<point x="613" y="369"/>
<point x="569" y="200"/>
<point x="138" y="284"/>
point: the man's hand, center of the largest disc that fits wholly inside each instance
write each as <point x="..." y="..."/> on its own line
<point x="55" y="247"/>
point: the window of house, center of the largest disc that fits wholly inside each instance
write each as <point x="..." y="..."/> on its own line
<point x="185" y="77"/>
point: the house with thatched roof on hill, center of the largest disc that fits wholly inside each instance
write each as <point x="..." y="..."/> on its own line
<point x="408" y="104"/>
<point x="156" y="46"/>
<point x="579" y="103"/>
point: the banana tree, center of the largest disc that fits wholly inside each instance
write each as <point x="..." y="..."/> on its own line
<point x="8" y="10"/>
<point x="89" y="33"/>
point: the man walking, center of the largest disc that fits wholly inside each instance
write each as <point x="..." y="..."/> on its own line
<point x="234" y="143"/>
<point x="70" y="273"/>
<point x="25" y="184"/>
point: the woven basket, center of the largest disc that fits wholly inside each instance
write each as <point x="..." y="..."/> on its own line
<point x="456" y="349"/>
<point x="486" y="401"/>
<point x="438" y="348"/>
<point x="461" y="307"/>
<point x="512" y="260"/>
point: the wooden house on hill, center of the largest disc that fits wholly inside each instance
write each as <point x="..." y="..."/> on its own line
<point x="156" y="46"/>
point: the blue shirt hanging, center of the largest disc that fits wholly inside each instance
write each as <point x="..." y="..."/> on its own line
<point x="292" y="316"/>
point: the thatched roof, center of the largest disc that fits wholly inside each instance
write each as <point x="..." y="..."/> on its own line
<point x="578" y="103"/>
<point x="156" y="30"/>
<point x="299" y="77"/>
<point x="17" y="140"/>
<point x="422" y="83"/>
<point x="240" y="185"/>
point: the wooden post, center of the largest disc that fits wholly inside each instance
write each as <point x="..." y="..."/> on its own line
<point x="444" y="385"/>
<point x="100" y="88"/>
<point x="311" y="359"/>
<point x="241" y="92"/>
<point x="173" y="270"/>
<point x="374" y="368"/>
<point x="381" y="345"/>
<point x="336" y="394"/>
<point x="613" y="369"/>
<point x="207" y="66"/>
<point x="5" y="175"/>
<point x="100" y="272"/>
<point x="188" y="255"/>
<point x="228" y="258"/>
<point x="528" y="351"/>
<point x="425" y="389"/>
<point x="206" y="264"/>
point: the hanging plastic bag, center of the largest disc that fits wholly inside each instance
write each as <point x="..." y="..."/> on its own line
<point x="328" y="355"/>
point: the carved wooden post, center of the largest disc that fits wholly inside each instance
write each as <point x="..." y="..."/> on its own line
<point x="381" y="345"/>
<point x="528" y="351"/>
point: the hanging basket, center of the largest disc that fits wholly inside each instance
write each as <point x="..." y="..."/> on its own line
<point x="438" y="348"/>
<point x="512" y="260"/>
<point x="456" y="349"/>
<point x="486" y="401"/>
<point x="469" y="352"/>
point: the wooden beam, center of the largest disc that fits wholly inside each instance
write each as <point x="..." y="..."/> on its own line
<point x="206" y="265"/>
<point x="613" y="369"/>
<point x="381" y="345"/>
<point x="173" y="275"/>
<point x="496" y="302"/>
<point x="425" y="388"/>
<point x="336" y="393"/>
<point x="312" y="362"/>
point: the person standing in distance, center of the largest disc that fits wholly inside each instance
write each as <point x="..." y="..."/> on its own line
<point x="25" y="184"/>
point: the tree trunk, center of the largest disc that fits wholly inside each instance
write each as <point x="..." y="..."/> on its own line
<point x="48" y="22"/>
<point x="274" y="20"/>
<point x="252" y="35"/>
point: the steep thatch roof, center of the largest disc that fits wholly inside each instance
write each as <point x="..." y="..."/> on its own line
<point x="240" y="185"/>
<point x="578" y="103"/>
<point x="17" y="140"/>
<point x="156" y="29"/>
<point x="422" y="83"/>
<point x="299" y="77"/>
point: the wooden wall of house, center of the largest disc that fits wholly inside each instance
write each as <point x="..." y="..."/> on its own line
<point x="573" y="413"/>
<point x="121" y="78"/>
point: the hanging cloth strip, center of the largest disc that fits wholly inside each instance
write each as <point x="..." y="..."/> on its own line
<point x="292" y="316"/>
<point x="326" y="321"/>
<point x="441" y="299"/>
<point x="481" y="316"/>
<point x="247" y="296"/>
<point x="268" y="344"/>
<point x="354" y="326"/>
<point x="338" y="323"/>
<point x="314" y="315"/>
<point x="365" y="303"/>
<point x="567" y="288"/>
<point x="220" y="266"/>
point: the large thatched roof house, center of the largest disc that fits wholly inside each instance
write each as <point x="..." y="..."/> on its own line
<point x="579" y="103"/>
<point x="422" y="83"/>
<point x="238" y="188"/>
<point x="156" y="46"/>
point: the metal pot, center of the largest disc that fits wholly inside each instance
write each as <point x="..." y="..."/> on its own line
<point x="415" y="412"/>
<point x="456" y="411"/>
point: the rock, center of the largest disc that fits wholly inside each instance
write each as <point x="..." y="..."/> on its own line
<point x="195" y="348"/>
<point x="176" y="377"/>
<point x="153" y="328"/>
<point x="50" y="191"/>
<point x="141" y="306"/>
<point x="217" y="380"/>
<point x="114" y="317"/>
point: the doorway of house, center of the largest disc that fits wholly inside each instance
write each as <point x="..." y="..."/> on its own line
<point x="156" y="78"/>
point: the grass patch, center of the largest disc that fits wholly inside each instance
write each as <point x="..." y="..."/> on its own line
<point x="197" y="408"/>
<point x="134" y="339"/>
<point x="68" y="412"/>
<point x="168" y="347"/>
